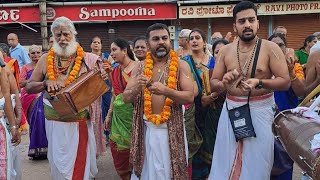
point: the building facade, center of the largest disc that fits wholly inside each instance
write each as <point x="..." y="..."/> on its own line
<point x="301" y="18"/>
<point x="109" y="21"/>
<point x="129" y="19"/>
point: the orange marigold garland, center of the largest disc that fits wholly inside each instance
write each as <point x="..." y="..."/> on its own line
<point x="172" y="84"/>
<point x="52" y="73"/>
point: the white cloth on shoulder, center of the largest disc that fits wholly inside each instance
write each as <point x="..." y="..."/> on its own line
<point x="13" y="161"/>
<point x="257" y="153"/>
<point x="63" y="140"/>
<point x="157" y="161"/>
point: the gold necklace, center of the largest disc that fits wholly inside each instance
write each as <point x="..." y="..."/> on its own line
<point x="159" y="68"/>
<point x="126" y="67"/>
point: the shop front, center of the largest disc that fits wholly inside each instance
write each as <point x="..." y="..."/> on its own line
<point x="109" y="21"/>
<point x="301" y="18"/>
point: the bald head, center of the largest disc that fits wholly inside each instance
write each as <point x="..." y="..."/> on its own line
<point x="280" y="30"/>
<point x="12" y="40"/>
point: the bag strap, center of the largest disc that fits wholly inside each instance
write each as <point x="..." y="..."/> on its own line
<point x="255" y="61"/>
<point x="254" y="65"/>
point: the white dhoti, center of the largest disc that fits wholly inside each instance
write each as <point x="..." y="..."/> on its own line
<point x="64" y="147"/>
<point x="10" y="162"/>
<point x="255" y="159"/>
<point x="157" y="161"/>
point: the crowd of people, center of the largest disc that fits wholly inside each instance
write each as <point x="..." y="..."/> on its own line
<point x="202" y="111"/>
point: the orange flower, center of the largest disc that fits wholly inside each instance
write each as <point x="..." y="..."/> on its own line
<point x="52" y="78"/>
<point x="173" y="63"/>
<point x="171" y="80"/>
<point x="173" y="68"/>
<point x="75" y="69"/>
<point x="172" y="74"/>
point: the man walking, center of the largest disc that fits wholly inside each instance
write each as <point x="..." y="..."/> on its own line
<point x="158" y="146"/>
<point x="244" y="143"/>
<point x="71" y="141"/>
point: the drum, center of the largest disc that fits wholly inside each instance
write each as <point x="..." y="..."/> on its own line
<point x="295" y="133"/>
<point x="79" y="94"/>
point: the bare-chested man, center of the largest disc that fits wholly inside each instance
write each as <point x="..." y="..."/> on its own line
<point x="251" y="157"/>
<point x="71" y="141"/>
<point x="158" y="87"/>
<point x="312" y="72"/>
<point x="10" y="167"/>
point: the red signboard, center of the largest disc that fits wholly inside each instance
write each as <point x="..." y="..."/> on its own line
<point x="86" y="13"/>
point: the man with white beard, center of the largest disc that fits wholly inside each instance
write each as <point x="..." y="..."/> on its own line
<point x="71" y="141"/>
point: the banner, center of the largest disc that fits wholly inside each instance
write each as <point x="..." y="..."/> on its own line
<point x="279" y="8"/>
<point x="112" y="12"/>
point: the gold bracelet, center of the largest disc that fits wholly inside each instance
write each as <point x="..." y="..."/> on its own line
<point x="295" y="77"/>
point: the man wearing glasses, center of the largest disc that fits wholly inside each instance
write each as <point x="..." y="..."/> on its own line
<point x="184" y="48"/>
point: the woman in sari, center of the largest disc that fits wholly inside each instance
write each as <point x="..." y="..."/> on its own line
<point x="120" y="114"/>
<point x="33" y="108"/>
<point x="206" y="109"/>
<point x="100" y="135"/>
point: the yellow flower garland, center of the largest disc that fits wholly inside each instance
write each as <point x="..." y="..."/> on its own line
<point x="75" y="69"/>
<point x="172" y="83"/>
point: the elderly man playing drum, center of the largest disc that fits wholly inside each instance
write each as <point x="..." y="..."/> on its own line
<point x="71" y="141"/>
<point x="244" y="143"/>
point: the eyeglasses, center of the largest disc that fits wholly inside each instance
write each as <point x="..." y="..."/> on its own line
<point x="280" y="44"/>
<point x="37" y="52"/>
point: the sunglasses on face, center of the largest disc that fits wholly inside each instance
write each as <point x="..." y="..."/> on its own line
<point x="35" y="52"/>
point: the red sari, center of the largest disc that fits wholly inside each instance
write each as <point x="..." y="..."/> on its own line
<point x="120" y="157"/>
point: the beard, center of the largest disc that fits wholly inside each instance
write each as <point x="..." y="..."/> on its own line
<point x="160" y="53"/>
<point x="247" y="38"/>
<point x="67" y="51"/>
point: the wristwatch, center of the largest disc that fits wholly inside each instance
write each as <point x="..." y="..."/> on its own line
<point x="260" y="85"/>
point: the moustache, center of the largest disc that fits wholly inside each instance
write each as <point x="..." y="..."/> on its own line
<point x="161" y="46"/>
<point x="247" y="30"/>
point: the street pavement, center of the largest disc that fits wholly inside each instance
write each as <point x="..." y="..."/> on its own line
<point x="40" y="170"/>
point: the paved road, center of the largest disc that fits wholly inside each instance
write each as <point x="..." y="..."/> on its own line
<point x="39" y="170"/>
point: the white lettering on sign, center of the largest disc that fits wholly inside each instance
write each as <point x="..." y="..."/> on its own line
<point x="277" y="8"/>
<point x="11" y="15"/>
<point x="114" y="13"/>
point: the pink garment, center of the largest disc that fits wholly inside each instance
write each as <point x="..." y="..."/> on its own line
<point x="95" y="108"/>
<point x="3" y="153"/>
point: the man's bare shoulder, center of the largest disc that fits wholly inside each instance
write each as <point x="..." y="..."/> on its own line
<point x="43" y="59"/>
<point x="7" y="70"/>
<point x="313" y="58"/>
<point x="182" y="63"/>
<point x="136" y="68"/>
<point x="315" y="54"/>
<point x="184" y="69"/>
<point x="227" y="48"/>
<point x="268" y="44"/>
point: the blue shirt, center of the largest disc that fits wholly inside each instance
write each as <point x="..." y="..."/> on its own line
<point x="286" y="99"/>
<point x="20" y="54"/>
